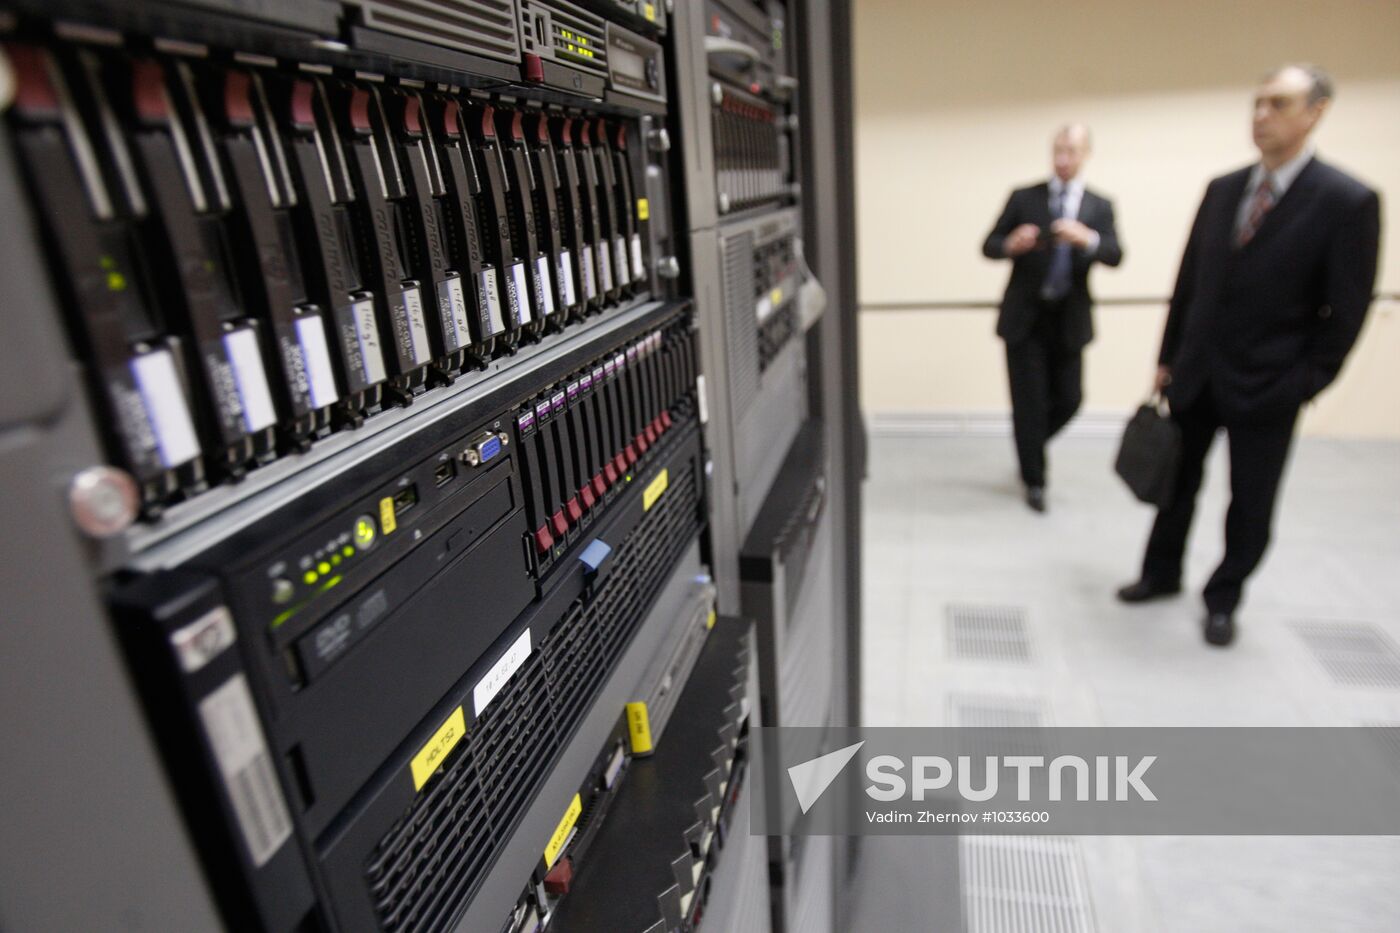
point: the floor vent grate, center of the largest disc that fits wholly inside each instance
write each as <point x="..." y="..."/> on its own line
<point x="989" y="633"/>
<point x="1354" y="654"/>
<point x="1024" y="884"/>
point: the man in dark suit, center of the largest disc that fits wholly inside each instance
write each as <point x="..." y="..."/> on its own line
<point x="1273" y="289"/>
<point x="1052" y="232"/>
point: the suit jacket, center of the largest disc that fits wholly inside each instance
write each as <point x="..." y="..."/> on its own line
<point x="1267" y="326"/>
<point x="1021" y="305"/>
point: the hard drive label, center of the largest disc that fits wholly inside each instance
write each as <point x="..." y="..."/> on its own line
<point x="133" y="422"/>
<point x="359" y="333"/>
<point x="488" y="299"/>
<point x="412" y="329"/>
<point x="452" y="308"/>
<point x="246" y="360"/>
<point x="566" y="277"/>
<point x="241" y="753"/>
<point x="605" y="264"/>
<point x="166" y="409"/>
<point x="638" y="268"/>
<point x="544" y="295"/>
<point x="590" y="283"/>
<point x="517" y="296"/>
<point x="620" y="256"/>
<point x="223" y="387"/>
<point x="320" y="378"/>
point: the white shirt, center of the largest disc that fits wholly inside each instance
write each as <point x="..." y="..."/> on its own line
<point x="1284" y="176"/>
<point x="1074" y="197"/>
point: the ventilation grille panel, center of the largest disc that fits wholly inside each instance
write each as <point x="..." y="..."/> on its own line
<point x="429" y="864"/>
<point x="989" y="633"/>
<point x="739" y="320"/>
<point x="1354" y="654"/>
<point x="482" y="27"/>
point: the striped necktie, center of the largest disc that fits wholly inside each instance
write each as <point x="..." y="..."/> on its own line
<point x="1259" y="207"/>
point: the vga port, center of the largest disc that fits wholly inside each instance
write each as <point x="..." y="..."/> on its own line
<point x="484" y="449"/>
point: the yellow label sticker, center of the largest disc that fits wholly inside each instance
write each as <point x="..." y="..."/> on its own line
<point x="710" y="622"/>
<point x="643" y="209"/>
<point x="639" y="728"/>
<point x="561" y="832"/>
<point x="431" y="756"/>
<point x="654" y="490"/>
<point x="387" y="520"/>
<point x="650" y="12"/>
<point x="776" y="296"/>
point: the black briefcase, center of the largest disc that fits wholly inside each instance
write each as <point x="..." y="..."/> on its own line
<point x="1150" y="454"/>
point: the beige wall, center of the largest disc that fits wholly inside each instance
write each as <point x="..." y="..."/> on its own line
<point x="956" y="101"/>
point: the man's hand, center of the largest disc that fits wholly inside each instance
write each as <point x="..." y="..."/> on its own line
<point x="1072" y="232"/>
<point x="1021" y="240"/>
<point x="1163" y="378"/>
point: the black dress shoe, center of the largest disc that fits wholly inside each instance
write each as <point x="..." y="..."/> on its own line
<point x="1143" y="590"/>
<point x="1035" y="497"/>
<point x="1220" y="628"/>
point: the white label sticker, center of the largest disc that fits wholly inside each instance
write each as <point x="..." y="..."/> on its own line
<point x="202" y="641"/>
<point x="700" y="394"/>
<point x="590" y="283"/>
<point x="320" y="378"/>
<point x="605" y="265"/>
<point x="566" y="278"/>
<point x="367" y="334"/>
<point x="241" y="752"/>
<point x="522" y="294"/>
<point x="486" y="689"/>
<point x="452" y="307"/>
<point x="545" y="290"/>
<point x="489" y="296"/>
<point x="620" y="255"/>
<point x="763" y="308"/>
<point x="639" y="270"/>
<point x="251" y="379"/>
<point x="166" y="408"/>
<point x="412" y="309"/>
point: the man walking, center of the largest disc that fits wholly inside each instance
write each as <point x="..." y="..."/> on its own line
<point x="1272" y="292"/>
<point x="1052" y="232"/>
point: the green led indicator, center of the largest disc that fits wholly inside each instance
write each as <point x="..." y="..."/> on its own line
<point x="335" y="560"/>
<point x="333" y="581"/>
<point x="348" y="551"/>
<point x="323" y="567"/>
<point x="365" y="532"/>
<point x="310" y="577"/>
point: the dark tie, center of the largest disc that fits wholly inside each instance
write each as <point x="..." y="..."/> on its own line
<point x="1259" y="207"/>
<point x="1057" y="277"/>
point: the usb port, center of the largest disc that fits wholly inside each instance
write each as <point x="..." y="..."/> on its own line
<point x="405" y="499"/>
<point x="444" y="473"/>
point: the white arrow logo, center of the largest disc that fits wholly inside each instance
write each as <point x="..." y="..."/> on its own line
<point x="811" y="778"/>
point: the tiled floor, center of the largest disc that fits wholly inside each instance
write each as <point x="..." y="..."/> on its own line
<point x="944" y="525"/>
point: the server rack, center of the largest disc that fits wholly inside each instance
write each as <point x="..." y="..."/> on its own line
<point x="372" y="445"/>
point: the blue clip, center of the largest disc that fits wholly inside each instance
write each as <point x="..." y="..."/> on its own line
<point x="597" y="552"/>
